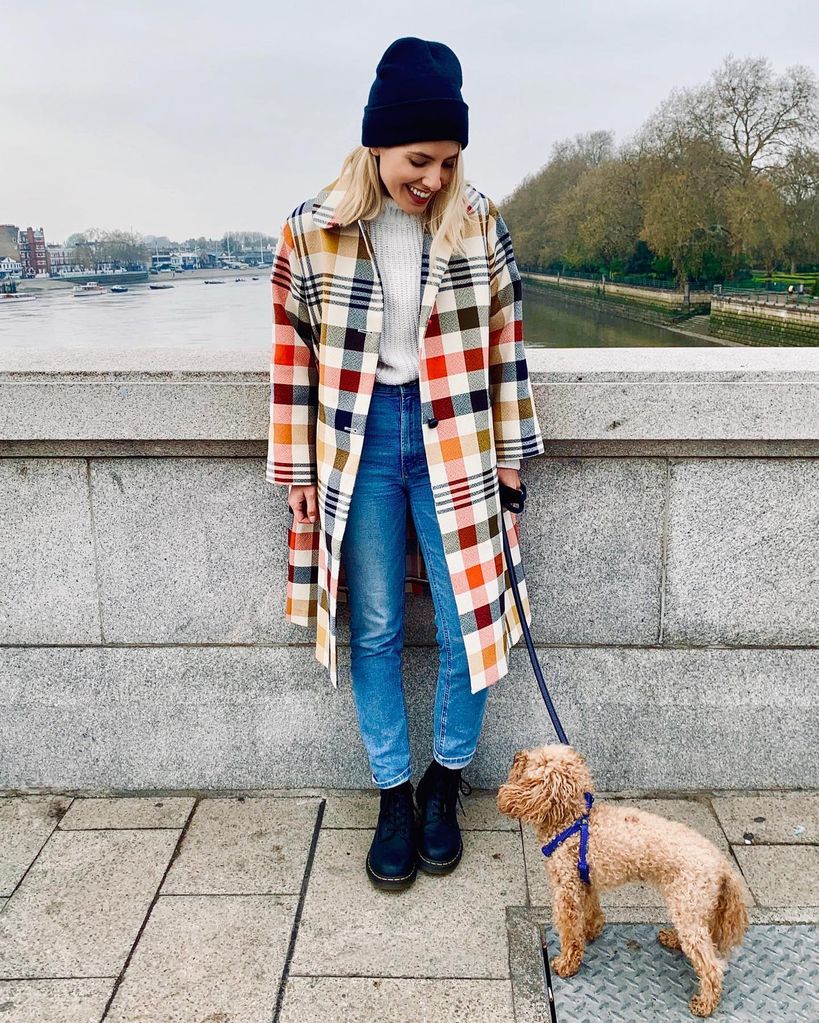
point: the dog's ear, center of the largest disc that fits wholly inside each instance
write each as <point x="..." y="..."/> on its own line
<point x="558" y="784"/>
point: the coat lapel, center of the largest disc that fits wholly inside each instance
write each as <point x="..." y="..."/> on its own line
<point x="432" y="273"/>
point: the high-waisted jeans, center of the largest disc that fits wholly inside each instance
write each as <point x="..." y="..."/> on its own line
<point x="393" y="472"/>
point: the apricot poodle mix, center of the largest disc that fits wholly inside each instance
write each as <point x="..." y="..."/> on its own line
<point x="701" y="888"/>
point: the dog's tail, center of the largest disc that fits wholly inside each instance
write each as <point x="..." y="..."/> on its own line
<point x="729" y="918"/>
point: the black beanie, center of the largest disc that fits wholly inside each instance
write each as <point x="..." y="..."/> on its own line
<point x="416" y="96"/>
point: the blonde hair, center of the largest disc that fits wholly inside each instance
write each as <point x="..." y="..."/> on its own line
<point x="446" y="215"/>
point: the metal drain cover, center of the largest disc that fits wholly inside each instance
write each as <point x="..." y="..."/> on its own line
<point x="628" y="977"/>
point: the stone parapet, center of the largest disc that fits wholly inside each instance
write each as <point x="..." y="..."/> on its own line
<point x="670" y="539"/>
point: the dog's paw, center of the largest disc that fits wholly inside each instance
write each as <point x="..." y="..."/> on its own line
<point x="566" y="966"/>
<point x="702" y="1006"/>
<point x="669" y="937"/>
<point x="595" y="928"/>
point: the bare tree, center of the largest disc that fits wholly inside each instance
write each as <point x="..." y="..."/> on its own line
<point x="798" y="184"/>
<point x="755" y="118"/>
<point x="589" y="148"/>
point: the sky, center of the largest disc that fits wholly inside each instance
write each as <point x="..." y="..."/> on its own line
<point x="195" y="117"/>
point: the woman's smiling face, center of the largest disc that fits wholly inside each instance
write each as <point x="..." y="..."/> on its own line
<point x="426" y="167"/>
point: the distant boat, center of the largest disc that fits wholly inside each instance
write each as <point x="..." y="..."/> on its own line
<point x="214" y="282"/>
<point x="254" y="278"/>
<point x="90" y="288"/>
<point x="159" y="287"/>
<point x="10" y="298"/>
<point x="118" y="289"/>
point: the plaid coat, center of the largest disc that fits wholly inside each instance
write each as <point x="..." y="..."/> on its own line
<point x="476" y="405"/>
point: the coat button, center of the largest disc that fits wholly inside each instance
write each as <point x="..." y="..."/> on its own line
<point x="432" y="422"/>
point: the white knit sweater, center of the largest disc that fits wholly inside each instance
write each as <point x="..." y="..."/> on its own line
<point x="398" y="239"/>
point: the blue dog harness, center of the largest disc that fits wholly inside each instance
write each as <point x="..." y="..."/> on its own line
<point x="581" y="825"/>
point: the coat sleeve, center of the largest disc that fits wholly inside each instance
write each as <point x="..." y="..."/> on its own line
<point x="291" y="450"/>
<point x="517" y="431"/>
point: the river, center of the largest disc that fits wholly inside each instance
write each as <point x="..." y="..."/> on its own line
<point x="235" y="315"/>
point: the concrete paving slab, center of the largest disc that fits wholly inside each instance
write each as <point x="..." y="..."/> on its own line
<point x="389" y="1000"/>
<point x="787" y="817"/>
<point x="784" y="915"/>
<point x="781" y="875"/>
<point x="207" y="958"/>
<point x="79" y="908"/>
<point x="636" y="894"/>
<point x="449" y="926"/>
<point x="45" y="1001"/>
<point x="244" y="846"/>
<point x="128" y="812"/>
<point x="25" y="824"/>
<point x="360" y="810"/>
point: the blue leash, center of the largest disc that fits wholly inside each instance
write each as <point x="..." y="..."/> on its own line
<point x="514" y="501"/>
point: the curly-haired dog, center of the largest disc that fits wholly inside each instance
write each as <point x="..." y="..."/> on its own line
<point x="546" y="789"/>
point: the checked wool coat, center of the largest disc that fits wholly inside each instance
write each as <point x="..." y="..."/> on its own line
<point x="476" y="406"/>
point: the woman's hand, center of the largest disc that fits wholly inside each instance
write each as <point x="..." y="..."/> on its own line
<point x="510" y="478"/>
<point x="303" y="502"/>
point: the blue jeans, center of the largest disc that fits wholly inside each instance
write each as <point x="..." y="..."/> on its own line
<point x="392" y="472"/>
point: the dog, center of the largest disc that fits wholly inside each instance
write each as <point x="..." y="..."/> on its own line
<point x="546" y="789"/>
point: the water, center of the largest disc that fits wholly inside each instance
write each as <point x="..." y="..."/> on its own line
<point x="551" y="323"/>
<point x="236" y="316"/>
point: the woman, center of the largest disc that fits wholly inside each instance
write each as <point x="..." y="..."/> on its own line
<point x="400" y="396"/>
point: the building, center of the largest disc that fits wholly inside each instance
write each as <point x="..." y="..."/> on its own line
<point x="57" y="258"/>
<point x="33" y="252"/>
<point x="10" y="267"/>
<point x="175" y="260"/>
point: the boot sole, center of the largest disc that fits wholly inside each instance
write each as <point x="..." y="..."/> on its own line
<point x="440" y="866"/>
<point x="391" y="884"/>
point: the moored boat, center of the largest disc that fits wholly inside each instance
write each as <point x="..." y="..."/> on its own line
<point x="89" y="288"/>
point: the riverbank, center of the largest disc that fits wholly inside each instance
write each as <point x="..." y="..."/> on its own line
<point x="759" y="321"/>
<point x="657" y="308"/>
<point x="52" y="284"/>
<point x="734" y="320"/>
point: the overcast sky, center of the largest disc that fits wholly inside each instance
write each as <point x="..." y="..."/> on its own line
<point x="195" y="117"/>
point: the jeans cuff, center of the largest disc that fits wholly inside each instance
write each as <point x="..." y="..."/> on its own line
<point x="399" y="780"/>
<point x="453" y="762"/>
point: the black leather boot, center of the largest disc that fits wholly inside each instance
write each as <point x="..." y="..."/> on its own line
<point x="439" y="838"/>
<point x="391" y="861"/>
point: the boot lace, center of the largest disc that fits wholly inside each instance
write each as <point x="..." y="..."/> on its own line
<point x="443" y="799"/>
<point x="397" y="812"/>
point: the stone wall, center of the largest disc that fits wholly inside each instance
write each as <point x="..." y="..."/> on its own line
<point x="670" y="540"/>
<point x="645" y="305"/>
<point x="760" y="323"/>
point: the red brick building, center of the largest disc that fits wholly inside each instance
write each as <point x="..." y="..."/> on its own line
<point x="33" y="252"/>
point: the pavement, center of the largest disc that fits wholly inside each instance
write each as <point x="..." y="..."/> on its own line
<point x="255" y="908"/>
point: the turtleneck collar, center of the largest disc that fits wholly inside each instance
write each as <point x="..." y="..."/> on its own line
<point x="391" y="208"/>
